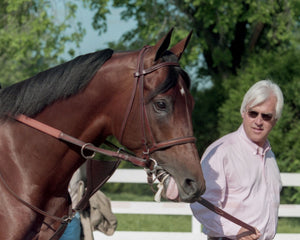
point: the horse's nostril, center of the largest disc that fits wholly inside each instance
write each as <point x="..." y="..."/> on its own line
<point x="189" y="182"/>
<point x="193" y="189"/>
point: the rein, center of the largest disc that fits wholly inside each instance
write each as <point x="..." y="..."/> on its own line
<point x="88" y="146"/>
<point x="65" y="220"/>
<point x="83" y="145"/>
<point x="226" y="215"/>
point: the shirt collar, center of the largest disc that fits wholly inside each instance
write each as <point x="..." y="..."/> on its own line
<point x="257" y="150"/>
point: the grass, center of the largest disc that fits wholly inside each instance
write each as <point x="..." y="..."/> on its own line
<point x="155" y="223"/>
<point x="288" y="225"/>
<point x="173" y="223"/>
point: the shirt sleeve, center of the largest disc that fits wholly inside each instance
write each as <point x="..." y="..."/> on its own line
<point x="214" y="175"/>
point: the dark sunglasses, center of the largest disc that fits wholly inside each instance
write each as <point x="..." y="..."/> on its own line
<point x="265" y="116"/>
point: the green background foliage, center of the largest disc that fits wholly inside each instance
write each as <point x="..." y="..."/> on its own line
<point x="235" y="44"/>
<point x="32" y="36"/>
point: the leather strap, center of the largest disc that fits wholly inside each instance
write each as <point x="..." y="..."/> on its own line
<point x="83" y="145"/>
<point x="62" y="220"/>
<point x="149" y="146"/>
<point x="218" y="238"/>
<point x="226" y="215"/>
<point x="172" y="142"/>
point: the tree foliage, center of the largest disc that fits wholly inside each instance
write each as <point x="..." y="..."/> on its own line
<point x="33" y="36"/>
<point x="227" y="34"/>
<point x="236" y="43"/>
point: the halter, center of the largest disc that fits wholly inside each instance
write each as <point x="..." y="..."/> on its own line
<point x="152" y="146"/>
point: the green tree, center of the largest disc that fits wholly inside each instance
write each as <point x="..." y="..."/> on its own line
<point x="33" y="36"/>
<point x="227" y="34"/>
<point x="235" y="44"/>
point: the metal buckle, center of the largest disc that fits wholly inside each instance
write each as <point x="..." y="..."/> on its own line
<point x="153" y="170"/>
<point x="86" y="156"/>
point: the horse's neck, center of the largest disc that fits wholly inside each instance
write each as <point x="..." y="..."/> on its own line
<point x="90" y="115"/>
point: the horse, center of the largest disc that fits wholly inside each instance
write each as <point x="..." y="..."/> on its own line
<point x="141" y="97"/>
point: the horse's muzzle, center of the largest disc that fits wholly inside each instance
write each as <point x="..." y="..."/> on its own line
<point x="188" y="191"/>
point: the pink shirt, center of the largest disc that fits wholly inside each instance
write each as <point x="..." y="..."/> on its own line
<point x="243" y="179"/>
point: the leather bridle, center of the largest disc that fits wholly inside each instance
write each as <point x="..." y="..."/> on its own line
<point x="149" y="146"/>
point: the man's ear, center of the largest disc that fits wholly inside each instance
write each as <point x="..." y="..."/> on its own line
<point x="243" y="114"/>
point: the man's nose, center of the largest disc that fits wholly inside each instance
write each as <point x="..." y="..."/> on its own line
<point x="259" y="120"/>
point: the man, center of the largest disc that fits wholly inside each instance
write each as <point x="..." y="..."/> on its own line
<point x="241" y="173"/>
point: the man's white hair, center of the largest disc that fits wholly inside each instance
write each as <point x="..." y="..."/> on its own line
<point x="259" y="93"/>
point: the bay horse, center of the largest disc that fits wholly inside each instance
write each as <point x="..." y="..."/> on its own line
<point x="141" y="97"/>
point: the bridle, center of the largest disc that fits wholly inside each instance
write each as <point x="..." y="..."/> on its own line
<point x="149" y="146"/>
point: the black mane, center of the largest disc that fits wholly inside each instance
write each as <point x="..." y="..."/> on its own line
<point x="31" y="96"/>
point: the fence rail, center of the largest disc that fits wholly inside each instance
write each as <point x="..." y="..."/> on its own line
<point x="171" y="208"/>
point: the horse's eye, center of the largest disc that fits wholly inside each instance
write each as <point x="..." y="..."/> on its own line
<point x="160" y="105"/>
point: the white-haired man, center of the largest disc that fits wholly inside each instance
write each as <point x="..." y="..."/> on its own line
<point x="241" y="173"/>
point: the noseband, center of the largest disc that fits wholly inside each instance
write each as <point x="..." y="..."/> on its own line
<point x="149" y="146"/>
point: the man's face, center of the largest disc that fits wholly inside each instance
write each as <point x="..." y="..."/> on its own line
<point x="259" y="120"/>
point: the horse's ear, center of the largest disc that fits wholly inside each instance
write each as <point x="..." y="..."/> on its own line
<point x="162" y="45"/>
<point x="179" y="48"/>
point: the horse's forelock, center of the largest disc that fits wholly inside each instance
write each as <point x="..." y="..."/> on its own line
<point x="172" y="78"/>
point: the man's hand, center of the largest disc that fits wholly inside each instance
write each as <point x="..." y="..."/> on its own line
<point x="245" y="234"/>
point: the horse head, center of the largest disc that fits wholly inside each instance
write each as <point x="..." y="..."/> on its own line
<point x="158" y="124"/>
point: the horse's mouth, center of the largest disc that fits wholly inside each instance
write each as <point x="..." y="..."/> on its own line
<point x="170" y="189"/>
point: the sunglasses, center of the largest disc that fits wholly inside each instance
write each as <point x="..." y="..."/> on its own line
<point x="265" y="116"/>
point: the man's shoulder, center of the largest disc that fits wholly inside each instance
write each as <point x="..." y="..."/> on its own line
<point x="227" y="140"/>
<point x="223" y="144"/>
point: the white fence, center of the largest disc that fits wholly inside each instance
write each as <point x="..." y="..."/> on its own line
<point x="171" y="208"/>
